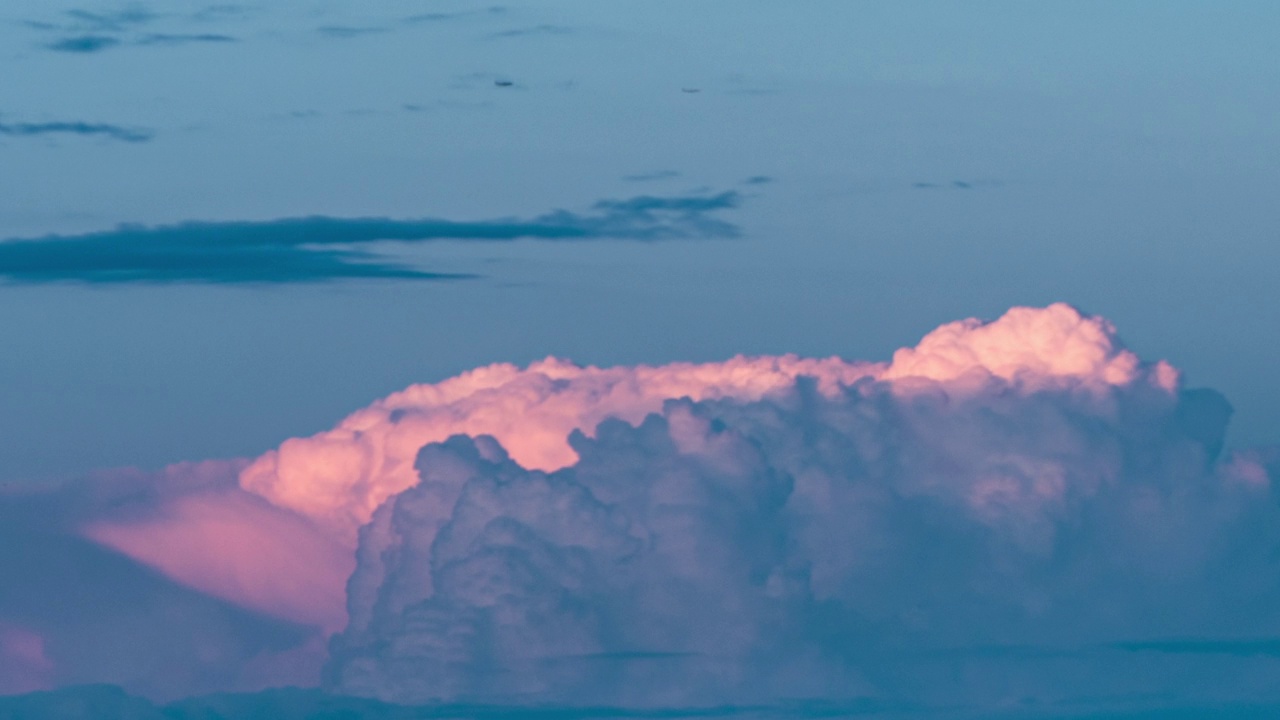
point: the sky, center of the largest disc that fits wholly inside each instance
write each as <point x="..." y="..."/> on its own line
<point x="226" y="226"/>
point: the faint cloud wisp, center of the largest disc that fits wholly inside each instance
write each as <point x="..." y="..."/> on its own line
<point x="83" y="44"/>
<point x="114" y="132"/>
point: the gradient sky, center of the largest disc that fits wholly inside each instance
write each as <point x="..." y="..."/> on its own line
<point x="925" y="161"/>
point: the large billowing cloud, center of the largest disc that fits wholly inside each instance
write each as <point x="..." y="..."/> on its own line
<point x="341" y="475"/>
<point x="1012" y="493"/>
<point x="1017" y="511"/>
<point x="1003" y="497"/>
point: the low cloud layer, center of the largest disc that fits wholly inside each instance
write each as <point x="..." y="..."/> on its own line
<point x="320" y="248"/>
<point x="1019" y="516"/>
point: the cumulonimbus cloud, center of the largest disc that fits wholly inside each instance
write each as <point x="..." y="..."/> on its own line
<point x="1015" y="511"/>
<point x="1003" y="496"/>
<point x="315" y="249"/>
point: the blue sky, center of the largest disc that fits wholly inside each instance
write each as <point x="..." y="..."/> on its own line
<point x="1119" y="156"/>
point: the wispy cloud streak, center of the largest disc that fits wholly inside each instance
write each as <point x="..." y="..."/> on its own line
<point x="184" y="38"/>
<point x="115" y="132"/>
<point x="311" y="249"/>
<point x="87" y="32"/>
<point x="83" y="44"/>
<point x="111" y="21"/>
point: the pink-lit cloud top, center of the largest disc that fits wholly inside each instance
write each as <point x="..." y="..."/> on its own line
<point x="1031" y="347"/>
<point x="485" y="537"/>
<point x="340" y="476"/>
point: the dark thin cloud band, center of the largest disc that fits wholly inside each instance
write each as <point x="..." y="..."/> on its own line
<point x="184" y="38"/>
<point x="83" y="44"/>
<point x="314" y="249"/>
<point x="115" y="132"/>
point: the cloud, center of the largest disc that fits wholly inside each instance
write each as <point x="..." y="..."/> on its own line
<point x="435" y="17"/>
<point x="471" y="81"/>
<point x="93" y="31"/>
<point x="111" y="21"/>
<point x="73" y="612"/>
<point x="184" y="38"/>
<point x="339" y="476"/>
<point x="1030" y="345"/>
<point x="96" y="43"/>
<point x="697" y="560"/>
<point x="956" y="185"/>
<point x="1017" y="516"/>
<point x="194" y="524"/>
<point x="775" y="529"/>
<point x="235" y="546"/>
<point x="347" y="32"/>
<point x="115" y="132"/>
<point x="83" y="44"/>
<point x="536" y="30"/>
<point x="320" y="248"/>
<point x="86" y="31"/>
